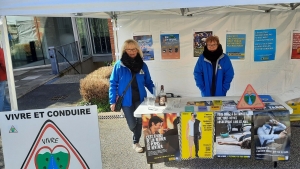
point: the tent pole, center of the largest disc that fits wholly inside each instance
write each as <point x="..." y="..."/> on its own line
<point x="8" y="63"/>
<point x="76" y="38"/>
<point x="115" y="29"/>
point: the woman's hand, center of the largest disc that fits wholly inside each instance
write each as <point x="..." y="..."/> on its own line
<point x="220" y="142"/>
<point x="112" y="107"/>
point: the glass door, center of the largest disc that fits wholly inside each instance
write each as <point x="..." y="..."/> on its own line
<point x="100" y="36"/>
<point x="83" y="36"/>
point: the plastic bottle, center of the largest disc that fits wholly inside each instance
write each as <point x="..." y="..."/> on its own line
<point x="162" y="96"/>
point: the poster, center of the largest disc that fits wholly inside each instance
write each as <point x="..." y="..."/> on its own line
<point x="170" y="46"/>
<point x="295" y="105"/>
<point x="146" y="44"/>
<point x="235" y="45"/>
<point x="295" y="54"/>
<point x="161" y="137"/>
<point x="272" y="135"/>
<point x="51" y="138"/>
<point x="199" y="41"/>
<point x="233" y="134"/>
<point x="264" y="45"/>
<point x="197" y="135"/>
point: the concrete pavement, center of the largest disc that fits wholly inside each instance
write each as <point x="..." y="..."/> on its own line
<point x="27" y="80"/>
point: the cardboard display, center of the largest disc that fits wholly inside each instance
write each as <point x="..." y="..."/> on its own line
<point x="250" y="99"/>
<point x="51" y="138"/>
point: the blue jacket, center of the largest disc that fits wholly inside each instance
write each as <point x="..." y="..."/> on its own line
<point x="119" y="79"/>
<point x="203" y="75"/>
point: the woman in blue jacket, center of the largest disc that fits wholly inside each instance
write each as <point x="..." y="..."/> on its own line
<point x="213" y="72"/>
<point x="131" y="63"/>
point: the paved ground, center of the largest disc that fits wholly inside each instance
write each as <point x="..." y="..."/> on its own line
<point x="115" y="137"/>
<point x="27" y="80"/>
<point x="51" y="95"/>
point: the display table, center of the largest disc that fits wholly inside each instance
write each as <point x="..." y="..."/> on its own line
<point x="206" y="144"/>
<point x="144" y="108"/>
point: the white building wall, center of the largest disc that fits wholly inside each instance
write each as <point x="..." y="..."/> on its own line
<point x="279" y="77"/>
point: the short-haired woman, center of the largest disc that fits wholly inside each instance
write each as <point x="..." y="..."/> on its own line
<point x="213" y="71"/>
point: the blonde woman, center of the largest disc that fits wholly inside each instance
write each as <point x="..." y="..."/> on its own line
<point x="131" y="63"/>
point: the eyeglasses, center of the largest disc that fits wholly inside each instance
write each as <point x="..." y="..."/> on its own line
<point x="131" y="50"/>
<point x="212" y="45"/>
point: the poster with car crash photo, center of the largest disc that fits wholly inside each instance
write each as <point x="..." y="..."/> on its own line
<point x="146" y="44"/>
<point x="272" y="135"/>
<point x="170" y="45"/>
<point x="233" y="134"/>
<point x="200" y="41"/>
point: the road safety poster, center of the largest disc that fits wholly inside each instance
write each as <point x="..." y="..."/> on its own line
<point x="235" y="45"/>
<point x="51" y="138"/>
<point x="146" y="44"/>
<point x="170" y="45"/>
<point x="264" y="45"/>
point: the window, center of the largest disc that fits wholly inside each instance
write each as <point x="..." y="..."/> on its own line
<point x="100" y="36"/>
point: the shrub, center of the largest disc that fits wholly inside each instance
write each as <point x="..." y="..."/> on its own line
<point x="94" y="88"/>
<point x="101" y="73"/>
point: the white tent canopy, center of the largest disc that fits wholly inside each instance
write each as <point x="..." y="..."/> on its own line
<point x="69" y="7"/>
<point x="196" y="11"/>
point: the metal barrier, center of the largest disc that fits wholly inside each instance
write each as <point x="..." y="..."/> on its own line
<point x="64" y="56"/>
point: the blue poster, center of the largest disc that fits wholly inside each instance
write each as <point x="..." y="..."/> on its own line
<point x="170" y="46"/>
<point x="145" y="42"/>
<point x="264" y="45"/>
<point x="235" y="46"/>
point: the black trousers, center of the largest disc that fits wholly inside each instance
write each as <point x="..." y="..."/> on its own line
<point x="196" y="142"/>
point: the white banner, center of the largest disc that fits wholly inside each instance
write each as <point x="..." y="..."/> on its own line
<point x="51" y="138"/>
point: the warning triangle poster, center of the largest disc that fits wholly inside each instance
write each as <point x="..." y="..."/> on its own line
<point x="51" y="138"/>
<point x="250" y="99"/>
<point x="52" y="149"/>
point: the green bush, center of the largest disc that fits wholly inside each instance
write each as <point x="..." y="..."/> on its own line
<point x="94" y="88"/>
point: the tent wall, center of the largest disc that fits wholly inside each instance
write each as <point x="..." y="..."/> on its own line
<point x="279" y="77"/>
